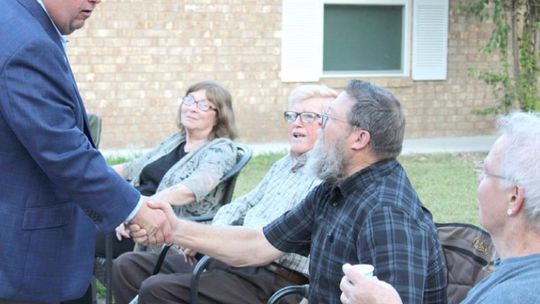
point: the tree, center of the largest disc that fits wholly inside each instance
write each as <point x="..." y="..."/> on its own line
<point x="515" y="37"/>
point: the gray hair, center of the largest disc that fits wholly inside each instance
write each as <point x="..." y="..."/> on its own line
<point x="520" y="159"/>
<point x="307" y="91"/>
<point x="379" y="112"/>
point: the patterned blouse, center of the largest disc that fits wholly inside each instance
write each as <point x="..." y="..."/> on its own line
<point x="200" y="170"/>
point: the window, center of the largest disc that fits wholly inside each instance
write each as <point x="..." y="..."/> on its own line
<point x="363" y="38"/>
<point x="355" y="38"/>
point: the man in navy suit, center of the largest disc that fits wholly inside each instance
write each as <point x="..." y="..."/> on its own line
<point x="55" y="187"/>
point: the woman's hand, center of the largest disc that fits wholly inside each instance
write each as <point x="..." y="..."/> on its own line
<point x="122" y="232"/>
<point x="176" y="195"/>
<point x="189" y="256"/>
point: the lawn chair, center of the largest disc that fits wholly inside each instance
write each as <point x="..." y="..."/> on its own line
<point x="469" y="256"/>
<point x="244" y="154"/>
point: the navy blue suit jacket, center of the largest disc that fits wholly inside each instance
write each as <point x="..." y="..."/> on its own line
<point x="55" y="187"/>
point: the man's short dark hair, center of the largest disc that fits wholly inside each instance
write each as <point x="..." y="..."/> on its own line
<point x="379" y="112"/>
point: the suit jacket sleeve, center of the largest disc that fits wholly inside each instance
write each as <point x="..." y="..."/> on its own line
<point x="44" y="110"/>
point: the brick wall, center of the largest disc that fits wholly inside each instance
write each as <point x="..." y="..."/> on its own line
<point x="134" y="58"/>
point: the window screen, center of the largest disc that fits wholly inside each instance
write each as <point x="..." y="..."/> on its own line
<point x="363" y="38"/>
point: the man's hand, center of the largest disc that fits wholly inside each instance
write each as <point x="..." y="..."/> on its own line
<point x="358" y="289"/>
<point x="153" y="224"/>
<point x="144" y="235"/>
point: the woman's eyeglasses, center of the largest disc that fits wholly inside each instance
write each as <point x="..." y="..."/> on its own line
<point x="203" y="104"/>
<point x="305" y="117"/>
<point x="482" y="173"/>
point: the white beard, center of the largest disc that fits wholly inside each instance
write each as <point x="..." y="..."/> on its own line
<point x="328" y="166"/>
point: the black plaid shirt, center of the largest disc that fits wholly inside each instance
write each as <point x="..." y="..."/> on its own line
<point x="373" y="217"/>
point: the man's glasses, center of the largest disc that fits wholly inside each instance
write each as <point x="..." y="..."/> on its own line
<point x="482" y="173"/>
<point x="305" y="117"/>
<point x="203" y="104"/>
<point x="325" y="117"/>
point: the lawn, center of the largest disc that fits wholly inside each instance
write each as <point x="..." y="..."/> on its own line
<point x="445" y="183"/>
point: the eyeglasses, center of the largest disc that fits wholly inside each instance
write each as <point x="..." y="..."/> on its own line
<point x="482" y="173"/>
<point x="203" y="104"/>
<point x="325" y="116"/>
<point x="305" y="117"/>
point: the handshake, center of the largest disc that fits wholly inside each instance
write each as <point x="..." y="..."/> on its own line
<point x="154" y="224"/>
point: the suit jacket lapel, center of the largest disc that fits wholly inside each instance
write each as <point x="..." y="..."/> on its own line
<point x="86" y="123"/>
<point x="41" y="16"/>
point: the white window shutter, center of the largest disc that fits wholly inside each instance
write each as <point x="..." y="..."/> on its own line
<point x="302" y="40"/>
<point x="430" y="40"/>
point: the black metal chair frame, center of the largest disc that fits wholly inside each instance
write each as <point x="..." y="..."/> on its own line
<point x="94" y="122"/>
<point x="302" y="290"/>
<point x="244" y="154"/>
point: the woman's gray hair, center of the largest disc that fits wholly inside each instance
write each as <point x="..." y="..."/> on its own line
<point x="379" y="112"/>
<point x="307" y="91"/>
<point x="520" y="159"/>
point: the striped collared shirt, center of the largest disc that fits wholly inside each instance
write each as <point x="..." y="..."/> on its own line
<point x="282" y="188"/>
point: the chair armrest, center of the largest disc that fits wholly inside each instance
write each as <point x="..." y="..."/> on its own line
<point x="202" y="218"/>
<point x="165" y="249"/>
<point x="161" y="258"/>
<point x="302" y="290"/>
<point x="199" y="268"/>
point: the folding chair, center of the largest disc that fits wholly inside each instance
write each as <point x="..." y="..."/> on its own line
<point x="244" y="154"/>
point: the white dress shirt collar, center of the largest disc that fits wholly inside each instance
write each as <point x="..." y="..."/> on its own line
<point x="63" y="38"/>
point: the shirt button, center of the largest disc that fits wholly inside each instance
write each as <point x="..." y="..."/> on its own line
<point x="334" y="204"/>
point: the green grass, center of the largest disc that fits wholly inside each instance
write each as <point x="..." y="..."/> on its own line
<point x="445" y="183"/>
<point x="254" y="171"/>
<point x="116" y="160"/>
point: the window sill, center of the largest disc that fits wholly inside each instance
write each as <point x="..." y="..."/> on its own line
<point x="387" y="81"/>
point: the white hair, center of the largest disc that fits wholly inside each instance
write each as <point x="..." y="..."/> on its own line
<point x="307" y="91"/>
<point x="520" y="159"/>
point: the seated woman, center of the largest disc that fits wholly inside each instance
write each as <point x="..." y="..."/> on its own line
<point x="185" y="169"/>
